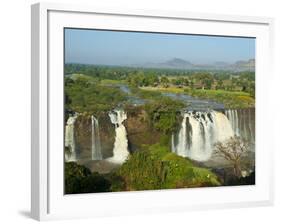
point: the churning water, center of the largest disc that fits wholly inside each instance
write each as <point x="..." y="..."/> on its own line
<point x="120" y="150"/>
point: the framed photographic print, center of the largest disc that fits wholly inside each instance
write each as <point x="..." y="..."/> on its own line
<point x="161" y="111"/>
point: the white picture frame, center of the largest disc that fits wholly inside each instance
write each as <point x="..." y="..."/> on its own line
<point x="47" y="198"/>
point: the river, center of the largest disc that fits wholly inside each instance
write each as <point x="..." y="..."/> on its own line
<point x="191" y="103"/>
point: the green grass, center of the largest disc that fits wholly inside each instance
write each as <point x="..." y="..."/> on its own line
<point x="162" y="89"/>
<point x="111" y="82"/>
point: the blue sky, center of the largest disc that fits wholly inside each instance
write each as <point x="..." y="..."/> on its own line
<point x="125" y="48"/>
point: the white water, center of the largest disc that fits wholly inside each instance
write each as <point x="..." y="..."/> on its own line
<point x="232" y="115"/>
<point x="243" y="124"/>
<point x="120" y="150"/>
<point x="70" y="138"/>
<point x="96" y="145"/>
<point x="199" y="131"/>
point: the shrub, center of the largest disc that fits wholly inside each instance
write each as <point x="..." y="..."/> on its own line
<point x="157" y="168"/>
<point x="79" y="179"/>
<point x="163" y="114"/>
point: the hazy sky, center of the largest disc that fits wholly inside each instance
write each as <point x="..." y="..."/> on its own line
<point x="125" y="48"/>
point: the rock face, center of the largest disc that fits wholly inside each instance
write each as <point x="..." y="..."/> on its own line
<point x="139" y="131"/>
<point x="107" y="135"/>
<point x="83" y="136"/>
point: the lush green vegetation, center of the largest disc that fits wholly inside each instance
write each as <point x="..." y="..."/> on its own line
<point x="157" y="168"/>
<point x="91" y="88"/>
<point x="96" y="89"/>
<point x="230" y="99"/>
<point x="83" y="94"/>
<point x="163" y="114"/>
<point x="79" y="179"/>
<point x="152" y="168"/>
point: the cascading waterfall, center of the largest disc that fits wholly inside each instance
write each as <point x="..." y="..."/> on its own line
<point x="70" y="139"/>
<point x="96" y="145"/>
<point x="243" y="123"/>
<point x="120" y="150"/>
<point x="232" y="115"/>
<point x="199" y="131"/>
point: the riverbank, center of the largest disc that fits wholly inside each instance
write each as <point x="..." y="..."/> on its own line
<point x="230" y="99"/>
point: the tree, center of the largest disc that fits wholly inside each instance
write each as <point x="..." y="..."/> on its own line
<point x="219" y="84"/>
<point x="164" y="81"/>
<point x="79" y="179"/>
<point x="163" y="114"/>
<point x="232" y="150"/>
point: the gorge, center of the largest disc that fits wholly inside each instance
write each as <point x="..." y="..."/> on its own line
<point x="195" y="138"/>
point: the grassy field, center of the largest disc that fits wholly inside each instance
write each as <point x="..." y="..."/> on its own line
<point x="111" y="82"/>
<point x="162" y="89"/>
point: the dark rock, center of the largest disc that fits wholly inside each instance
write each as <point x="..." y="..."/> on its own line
<point x="139" y="131"/>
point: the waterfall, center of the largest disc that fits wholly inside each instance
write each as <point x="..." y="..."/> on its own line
<point x="173" y="143"/>
<point x="70" y="138"/>
<point x="120" y="150"/>
<point x="243" y="123"/>
<point x="182" y="143"/>
<point x="96" y="145"/>
<point x="232" y="116"/>
<point x="199" y="131"/>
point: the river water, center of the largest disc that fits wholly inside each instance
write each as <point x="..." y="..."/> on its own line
<point x="192" y="103"/>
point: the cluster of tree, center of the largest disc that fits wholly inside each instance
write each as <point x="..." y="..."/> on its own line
<point x="164" y="114"/>
<point x="121" y="72"/>
<point x="196" y="80"/>
<point x="141" y="78"/>
<point x="81" y="94"/>
<point x="98" y="72"/>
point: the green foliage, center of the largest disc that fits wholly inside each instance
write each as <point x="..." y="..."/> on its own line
<point x="142" y="79"/>
<point x="230" y="99"/>
<point x="79" y="179"/>
<point x="141" y="172"/>
<point x="94" y="183"/>
<point x="144" y="94"/>
<point x="164" y="81"/>
<point x="117" y="182"/>
<point x="163" y="114"/>
<point x="157" y="168"/>
<point x="73" y="169"/>
<point x="90" y="91"/>
<point x="83" y="95"/>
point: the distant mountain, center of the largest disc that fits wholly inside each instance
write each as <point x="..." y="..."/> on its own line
<point x="245" y="65"/>
<point x="178" y="63"/>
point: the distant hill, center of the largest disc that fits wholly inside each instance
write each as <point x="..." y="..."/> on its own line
<point x="245" y="65"/>
<point x="178" y="63"/>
